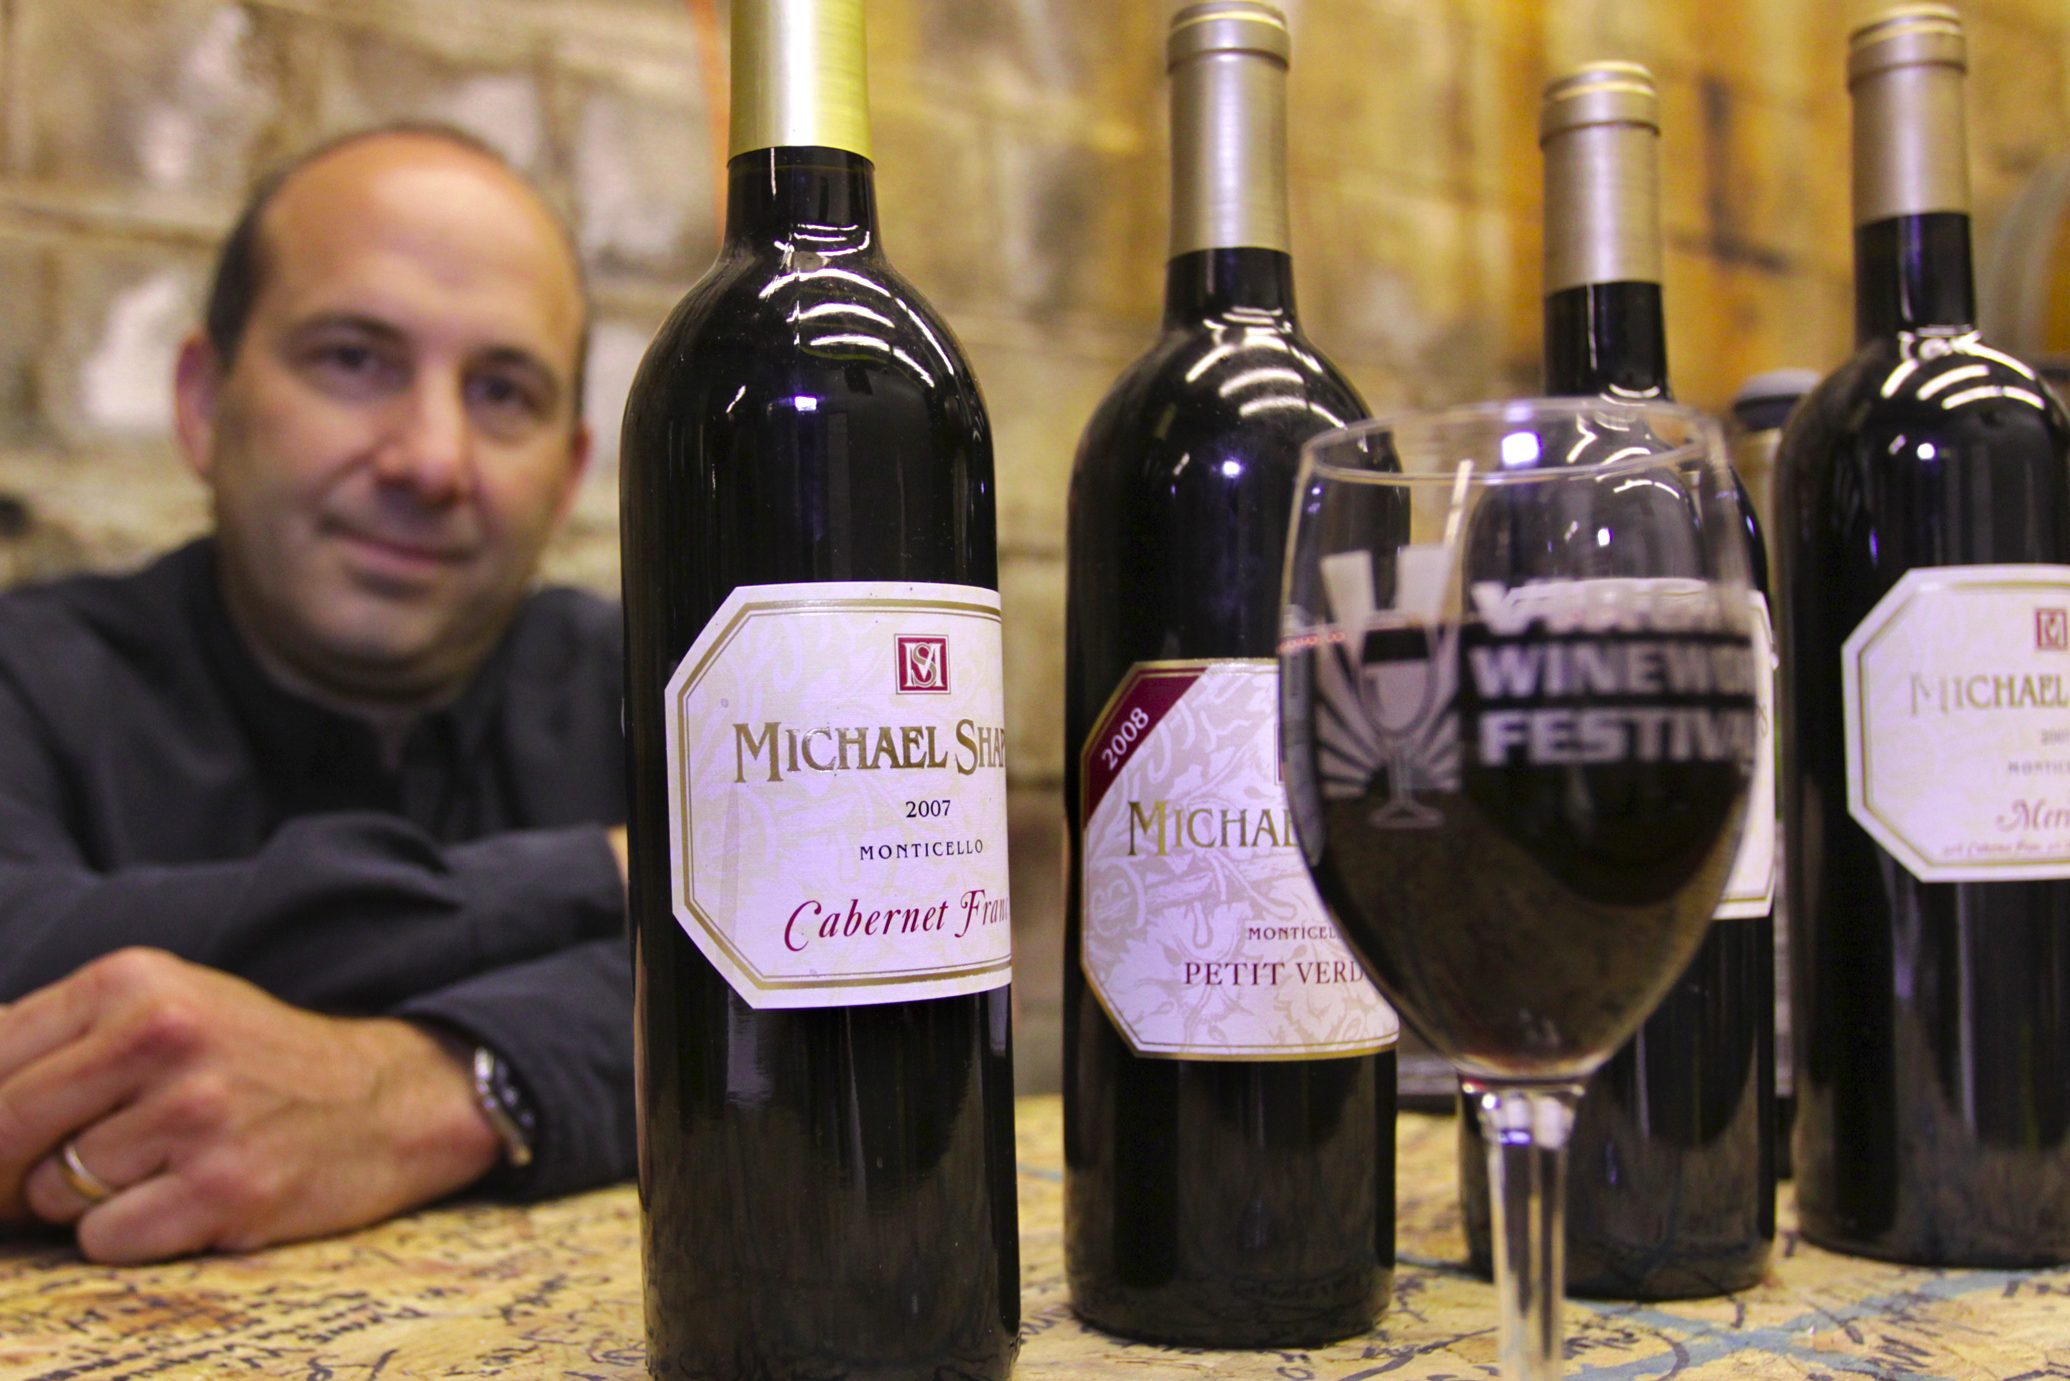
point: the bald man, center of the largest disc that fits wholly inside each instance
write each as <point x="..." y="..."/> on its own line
<point x="311" y="845"/>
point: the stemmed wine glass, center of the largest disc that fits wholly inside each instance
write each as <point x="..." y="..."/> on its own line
<point x="1528" y="884"/>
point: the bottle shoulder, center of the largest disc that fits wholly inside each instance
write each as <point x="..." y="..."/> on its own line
<point x="1926" y="449"/>
<point x="1250" y="392"/>
<point x="1951" y="390"/>
<point x="776" y="323"/>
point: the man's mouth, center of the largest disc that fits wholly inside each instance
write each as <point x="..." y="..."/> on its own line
<point x="405" y="553"/>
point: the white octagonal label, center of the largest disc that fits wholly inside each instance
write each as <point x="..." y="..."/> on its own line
<point x="837" y="793"/>
<point x="1957" y="698"/>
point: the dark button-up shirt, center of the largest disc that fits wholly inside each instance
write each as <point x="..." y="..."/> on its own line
<point x="158" y="788"/>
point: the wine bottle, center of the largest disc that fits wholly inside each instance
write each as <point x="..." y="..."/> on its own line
<point x="1229" y="1071"/>
<point x="1759" y="409"/>
<point x="818" y="828"/>
<point x="1671" y="1169"/>
<point x="1925" y="493"/>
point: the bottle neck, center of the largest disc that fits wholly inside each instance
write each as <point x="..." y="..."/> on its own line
<point x="1604" y="334"/>
<point x="1606" y="339"/>
<point x="1911" y="178"/>
<point x="1912" y="272"/>
<point x="1229" y="164"/>
<point x="798" y="76"/>
<point x="1210" y="284"/>
<point x="1602" y="207"/>
<point x="811" y="199"/>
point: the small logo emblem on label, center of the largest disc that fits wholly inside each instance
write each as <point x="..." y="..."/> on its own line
<point x="923" y="665"/>
<point x="2052" y="630"/>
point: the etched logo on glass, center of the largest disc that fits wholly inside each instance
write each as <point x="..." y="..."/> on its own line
<point x="1408" y="679"/>
<point x="1392" y="676"/>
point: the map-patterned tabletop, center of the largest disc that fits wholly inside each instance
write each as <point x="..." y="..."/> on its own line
<point x="481" y="1290"/>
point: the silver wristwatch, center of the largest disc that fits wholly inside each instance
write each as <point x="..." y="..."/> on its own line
<point x="504" y="1104"/>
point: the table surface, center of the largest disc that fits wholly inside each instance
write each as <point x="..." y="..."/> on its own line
<point x="553" y="1290"/>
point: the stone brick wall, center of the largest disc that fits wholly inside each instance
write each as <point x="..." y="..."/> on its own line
<point x="1021" y="150"/>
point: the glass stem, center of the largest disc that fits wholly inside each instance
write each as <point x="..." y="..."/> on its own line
<point x="1526" y="1131"/>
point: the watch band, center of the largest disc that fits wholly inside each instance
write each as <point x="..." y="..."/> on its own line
<point x="505" y="1107"/>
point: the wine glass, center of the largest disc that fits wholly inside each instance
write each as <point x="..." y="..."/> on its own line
<point x="1569" y="576"/>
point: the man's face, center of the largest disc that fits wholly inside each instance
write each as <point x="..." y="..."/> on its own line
<point x="394" y="441"/>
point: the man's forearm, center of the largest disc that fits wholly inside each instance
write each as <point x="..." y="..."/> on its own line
<point x="340" y="913"/>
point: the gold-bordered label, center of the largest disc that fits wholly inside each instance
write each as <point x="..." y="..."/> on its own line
<point x="1956" y="695"/>
<point x="837" y="793"/>
<point x="1202" y="935"/>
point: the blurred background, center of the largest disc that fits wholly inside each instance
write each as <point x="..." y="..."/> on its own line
<point x="1020" y="147"/>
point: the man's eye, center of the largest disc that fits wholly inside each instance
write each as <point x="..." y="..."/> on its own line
<point x="354" y="358"/>
<point x="353" y="365"/>
<point x="503" y="393"/>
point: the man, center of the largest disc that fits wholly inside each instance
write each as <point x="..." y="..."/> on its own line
<point x="309" y="908"/>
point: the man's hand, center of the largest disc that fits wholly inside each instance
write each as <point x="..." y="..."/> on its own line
<point x="222" y="1117"/>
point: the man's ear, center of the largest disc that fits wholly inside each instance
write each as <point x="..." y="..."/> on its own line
<point x="197" y="386"/>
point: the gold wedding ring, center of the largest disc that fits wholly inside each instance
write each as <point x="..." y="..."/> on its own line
<point x="84" y="1182"/>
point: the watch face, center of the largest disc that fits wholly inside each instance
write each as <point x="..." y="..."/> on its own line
<point x="513" y="1098"/>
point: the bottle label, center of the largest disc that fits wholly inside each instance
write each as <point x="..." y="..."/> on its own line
<point x="1957" y="700"/>
<point x="1203" y="936"/>
<point x="1750" y="891"/>
<point x="837" y="793"/>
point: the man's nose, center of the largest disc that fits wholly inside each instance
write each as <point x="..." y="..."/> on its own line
<point x="431" y="449"/>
